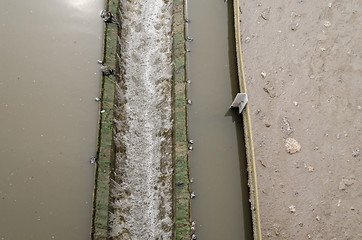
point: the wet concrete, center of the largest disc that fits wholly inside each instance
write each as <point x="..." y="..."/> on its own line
<point x="49" y="78"/>
<point x="220" y="209"/>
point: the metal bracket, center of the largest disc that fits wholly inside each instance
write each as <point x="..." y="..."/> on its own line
<point x="240" y="101"/>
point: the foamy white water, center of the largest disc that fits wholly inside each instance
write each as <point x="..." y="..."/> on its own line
<point x="141" y="189"/>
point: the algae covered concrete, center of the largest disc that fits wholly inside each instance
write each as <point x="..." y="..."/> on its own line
<point x="103" y="165"/>
<point x="181" y="161"/>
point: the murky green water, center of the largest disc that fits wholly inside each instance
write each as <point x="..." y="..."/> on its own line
<point x="48" y="118"/>
<point x="220" y="208"/>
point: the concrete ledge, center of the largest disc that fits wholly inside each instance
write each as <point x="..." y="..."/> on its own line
<point x="181" y="161"/>
<point x="103" y="165"/>
<point x="249" y="144"/>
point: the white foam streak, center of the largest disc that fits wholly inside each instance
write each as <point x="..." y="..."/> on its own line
<point x="142" y="188"/>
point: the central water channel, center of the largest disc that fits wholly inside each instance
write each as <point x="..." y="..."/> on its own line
<point x="218" y="165"/>
<point x="48" y="116"/>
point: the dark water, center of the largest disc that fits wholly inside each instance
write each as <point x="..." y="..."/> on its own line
<point x="48" y="118"/>
<point x="218" y="165"/>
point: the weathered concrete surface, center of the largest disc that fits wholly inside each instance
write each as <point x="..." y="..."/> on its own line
<point x="303" y="70"/>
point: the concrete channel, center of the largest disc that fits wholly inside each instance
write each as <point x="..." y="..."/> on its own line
<point x="49" y="79"/>
<point x="218" y="166"/>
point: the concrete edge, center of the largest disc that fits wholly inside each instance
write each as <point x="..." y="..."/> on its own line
<point x="181" y="158"/>
<point x="99" y="225"/>
<point x="249" y="144"/>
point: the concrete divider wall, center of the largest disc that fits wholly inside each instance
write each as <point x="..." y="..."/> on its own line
<point x="181" y="160"/>
<point x="105" y="133"/>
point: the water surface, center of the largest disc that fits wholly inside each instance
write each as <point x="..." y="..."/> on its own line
<point x="218" y="164"/>
<point x="48" y="118"/>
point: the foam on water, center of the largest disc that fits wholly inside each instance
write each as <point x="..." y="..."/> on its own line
<point x="141" y="190"/>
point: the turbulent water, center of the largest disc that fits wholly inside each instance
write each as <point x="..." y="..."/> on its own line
<point x="141" y="190"/>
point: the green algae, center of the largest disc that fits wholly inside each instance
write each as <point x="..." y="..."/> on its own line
<point x="103" y="166"/>
<point x="181" y="161"/>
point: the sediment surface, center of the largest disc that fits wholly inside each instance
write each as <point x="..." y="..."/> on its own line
<point x="303" y="70"/>
<point x="141" y="188"/>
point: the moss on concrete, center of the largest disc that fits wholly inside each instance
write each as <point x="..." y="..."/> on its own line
<point x="103" y="165"/>
<point x="182" y="193"/>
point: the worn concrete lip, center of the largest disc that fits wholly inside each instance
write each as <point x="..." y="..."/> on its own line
<point x="249" y="144"/>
